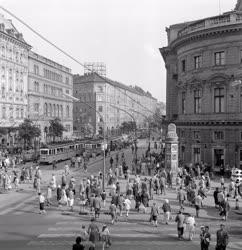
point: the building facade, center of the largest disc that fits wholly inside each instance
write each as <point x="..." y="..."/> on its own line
<point x="49" y="85"/>
<point x="105" y="99"/>
<point x="204" y="92"/>
<point x="14" y="79"/>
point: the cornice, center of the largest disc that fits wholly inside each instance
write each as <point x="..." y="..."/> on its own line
<point x="206" y="34"/>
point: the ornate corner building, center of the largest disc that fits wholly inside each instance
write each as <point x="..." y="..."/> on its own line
<point x="203" y="61"/>
<point x="13" y="77"/>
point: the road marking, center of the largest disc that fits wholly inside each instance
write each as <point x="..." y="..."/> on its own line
<point x="10" y="209"/>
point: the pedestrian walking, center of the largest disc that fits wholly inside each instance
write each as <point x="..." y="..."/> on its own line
<point x="154" y="214"/>
<point x="113" y="212"/>
<point x="181" y="196"/>
<point x="97" y="206"/>
<point x="180" y="220"/>
<point x="41" y="204"/>
<point x="93" y="232"/>
<point x="190" y="222"/>
<point x="205" y="238"/>
<point x="127" y="204"/>
<point x="48" y="196"/>
<point x="105" y="236"/>
<point x="222" y="238"/>
<point x="198" y="204"/>
<point x="167" y="211"/>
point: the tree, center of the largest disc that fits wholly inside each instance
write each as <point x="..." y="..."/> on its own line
<point x="56" y="129"/>
<point x="127" y="127"/>
<point x="27" y="131"/>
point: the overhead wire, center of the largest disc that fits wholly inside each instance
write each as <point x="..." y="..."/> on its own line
<point x="72" y="58"/>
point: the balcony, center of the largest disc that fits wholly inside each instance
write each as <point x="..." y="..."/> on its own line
<point x="218" y="21"/>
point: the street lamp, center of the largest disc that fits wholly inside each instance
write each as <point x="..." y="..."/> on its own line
<point x="135" y="127"/>
<point x="104" y="145"/>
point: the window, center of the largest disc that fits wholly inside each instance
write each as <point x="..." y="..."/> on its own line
<point x="36" y="86"/>
<point x="3" y="112"/>
<point x="68" y="128"/>
<point x="11" y="112"/>
<point x="36" y="69"/>
<point x="183" y="65"/>
<point x="67" y="91"/>
<point x="197" y="62"/>
<point x="61" y="111"/>
<point x="3" y="91"/>
<point x="182" y="133"/>
<point x="100" y="89"/>
<point x="54" y="109"/>
<point x="36" y="107"/>
<point x="219" y="100"/>
<point x="67" y="80"/>
<point x="3" y="51"/>
<point x="218" y="135"/>
<point x="100" y="108"/>
<point x="50" y="110"/>
<point x="99" y="98"/>
<point x="196" y="135"/>
<point x="58" y="110"/>
<point x="67" y="111"/>
<point x="219" y="58"/>
<point x="183" y="102"/>
<point x="197" y="101"/>
<point x="197" y="154"/>
<point x="22" y="113"/>
<point x="17" y="113"/>
<point x="45" y="109"/>
<point x="241" y="56"/>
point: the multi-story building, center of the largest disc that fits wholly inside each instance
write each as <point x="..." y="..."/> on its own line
<point x="102" y="98"/>
<point x="204" y="91"/>
<point x="49" y="85"/>
<point x="13" y="78"/>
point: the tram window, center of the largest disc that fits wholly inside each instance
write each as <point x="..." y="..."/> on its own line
<point x="44" y="151"/>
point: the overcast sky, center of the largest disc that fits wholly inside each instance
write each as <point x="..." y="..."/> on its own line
<point x="124" y="34"/>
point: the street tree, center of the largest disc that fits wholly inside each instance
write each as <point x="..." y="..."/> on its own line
<point x="127" y="127"/>
<point x="27" y="131"/>
<point x="56" y="129"/>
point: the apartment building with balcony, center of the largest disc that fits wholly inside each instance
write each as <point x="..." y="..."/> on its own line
<point x="203" y="60"/>
<point x="104" y="99"/>
<point x="48" y="82"/>
<point x="13" y="79"/>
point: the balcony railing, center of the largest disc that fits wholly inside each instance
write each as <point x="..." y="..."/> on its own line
<point x="223" y="20"/>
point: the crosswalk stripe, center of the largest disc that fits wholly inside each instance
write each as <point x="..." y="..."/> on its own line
<point x="11" y="209"/>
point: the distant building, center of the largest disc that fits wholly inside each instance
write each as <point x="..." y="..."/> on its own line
<point x="204" y="91"/>
<point x="48" y="82"/>
<point x="14" y="79"/>
<point x="114" y="101"/>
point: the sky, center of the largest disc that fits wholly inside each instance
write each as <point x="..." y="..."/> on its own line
<point x="124" y="34"/>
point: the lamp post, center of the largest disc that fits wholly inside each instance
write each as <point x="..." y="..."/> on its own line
<point x="135" y="127"/>
<point x="104" y="145"/>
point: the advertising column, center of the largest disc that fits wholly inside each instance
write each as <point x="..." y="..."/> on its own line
<point x="171" y="146"/>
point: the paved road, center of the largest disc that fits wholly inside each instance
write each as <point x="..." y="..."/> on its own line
<point x="22" y="228"/>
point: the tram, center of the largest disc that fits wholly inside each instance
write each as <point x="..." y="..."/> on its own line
<point x="61" y="152"/>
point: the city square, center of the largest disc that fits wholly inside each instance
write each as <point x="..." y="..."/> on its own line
<point x="101" y="148"/>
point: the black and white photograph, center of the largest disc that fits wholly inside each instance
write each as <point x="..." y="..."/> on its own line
<point x="120" y="124"/>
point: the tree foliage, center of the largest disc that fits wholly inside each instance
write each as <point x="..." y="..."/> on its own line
<point x="156" y="120"/>
<point x="28" y="131"/>
<point x="56" y="129"/>
<point x="127" y="127"/>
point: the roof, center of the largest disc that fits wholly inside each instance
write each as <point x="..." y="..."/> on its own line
<point x="8" y="28"/>
<point x="94" y="77"/>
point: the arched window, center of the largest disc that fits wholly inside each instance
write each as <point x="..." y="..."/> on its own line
<point x="67" y="111"/>
<point x="50" y="110"/>
<point x="58" y="110"/>
<point x="61" y="111"/>
<point x="45" y="109"/>
<point x="54" y="109"/>
<point x="36" y="86"/>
